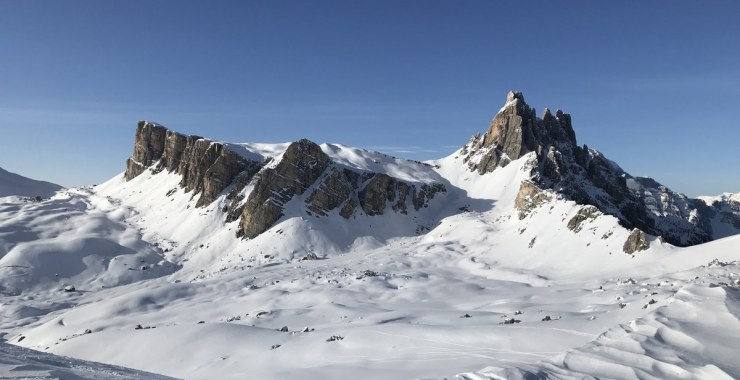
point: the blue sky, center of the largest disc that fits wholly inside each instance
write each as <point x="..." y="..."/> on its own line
<point x="654" y="85"/>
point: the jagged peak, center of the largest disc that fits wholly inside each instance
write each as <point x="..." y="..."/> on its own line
<point x="515" y="131"/>
<point x="514" y="95"/>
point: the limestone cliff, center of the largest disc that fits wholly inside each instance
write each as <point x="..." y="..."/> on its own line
<point x="206" y="167"/>
<point x="304" y="171"/>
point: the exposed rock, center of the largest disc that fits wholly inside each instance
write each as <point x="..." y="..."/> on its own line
<point x="379" y="189"/>
<point x="148" y="148"/>
<point x="636" y="241"/>
<point x="207" y="168"/>
<point x="586" y="213"/>
<point x="516" y="131"/>
<point x="333" y="190"/>
<point x="585" y="176"/>
<point x="425" y="193"/>
<point x="529" y="197"/>
<point x="235" y="208"/>
<point x="303" y="163"/>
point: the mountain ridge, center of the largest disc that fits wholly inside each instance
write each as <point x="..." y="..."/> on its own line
<point x="259" y="185"/>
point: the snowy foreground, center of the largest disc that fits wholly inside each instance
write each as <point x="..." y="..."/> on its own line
<point x="163" y="287"/>
<point x="22" y="363"/>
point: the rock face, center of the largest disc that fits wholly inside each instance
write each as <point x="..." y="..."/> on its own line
<point x="585" y="214"/>
<point x="303" y="164"/>
<point x="305" y="168"/>
<point x="516" y="131"/>
<point x="585" y="176"/>
<point x="305" y="171"/>
<point x="636" y="241"/>
<point x="530" y="197"/>
<point x="206" y="167"/>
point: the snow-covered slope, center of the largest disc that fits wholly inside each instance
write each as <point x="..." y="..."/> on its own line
<point x="66" y="241"/>
<point x="708" y="199"/>
<point x="396" y="309"/>
<point x="14" y="184"/>
<point x="22" y="363"/>
<point x="693" y="335"/>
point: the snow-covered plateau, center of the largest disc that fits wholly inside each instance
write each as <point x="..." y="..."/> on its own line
<point x="487" y="264"/>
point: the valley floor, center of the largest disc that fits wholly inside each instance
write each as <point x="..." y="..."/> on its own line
<point x="460" y="301"/>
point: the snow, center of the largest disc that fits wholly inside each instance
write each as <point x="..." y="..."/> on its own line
<point x="22" y="363"/>
<point x="12" y="184"/>
<point x="365" y="160"/>
<point x="725" y="196"/>
<point x="406" y="305"/>
<point x="694" y="336"/>
<point x="258" y="151"/>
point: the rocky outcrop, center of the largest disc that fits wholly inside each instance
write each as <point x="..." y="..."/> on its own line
<point x="530" y="197"/>
<point x="302" y="165"/>
<point x="636" y="242"/>
<point x="516" y="131"/>
<point x="207" y="168"/>
<point x="304" y="171"/>
<point x="585" y="176"/>
<point x="584" y="214"/>
<point x="148" y="148"/>
<point x="305" y="168"/>
<point x="334" y="190"/>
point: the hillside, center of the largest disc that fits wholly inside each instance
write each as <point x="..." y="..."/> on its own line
<point x="14" y="184"/>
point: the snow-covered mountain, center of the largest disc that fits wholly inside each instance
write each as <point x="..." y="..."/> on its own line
<point x="14" y="184"/>
<point x="584" y="175"/>
<point x="521" y="255"/>
<point x="262" y="185"/>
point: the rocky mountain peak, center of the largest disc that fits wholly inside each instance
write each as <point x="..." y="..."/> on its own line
<point x="514" y="96"/>
<point x="516" y="131"/>
<point x="587" y="177"/>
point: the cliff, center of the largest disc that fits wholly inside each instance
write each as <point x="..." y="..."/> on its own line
<point x="209" y="169"/>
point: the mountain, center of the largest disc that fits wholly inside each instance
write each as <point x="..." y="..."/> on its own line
<point x="14" y="184"/>
<point x="335" y="179"/>
<point x="264" y="184"/>
<point x="585" y="176"/>
<point x="521" y="255"/>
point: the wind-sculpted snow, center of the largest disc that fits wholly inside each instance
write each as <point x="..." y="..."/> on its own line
<point x="22" y="363"/>
<point x="694" y="336"/>
<point x="65" y="241"/>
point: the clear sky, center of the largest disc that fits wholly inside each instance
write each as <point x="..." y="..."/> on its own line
<point x="654" y="85"/>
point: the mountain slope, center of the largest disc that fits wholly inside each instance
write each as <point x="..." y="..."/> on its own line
<point x="68" y="241"/>
<point x="587" y="177"/>
<point x="22" y="363"/>
<point x="14" y="184"/>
